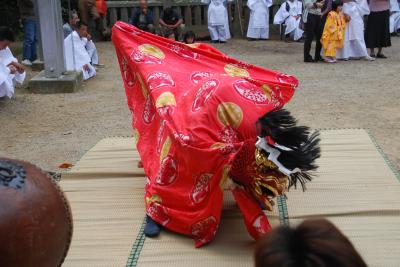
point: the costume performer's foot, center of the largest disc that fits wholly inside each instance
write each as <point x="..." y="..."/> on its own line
<point x="152" y="229"/>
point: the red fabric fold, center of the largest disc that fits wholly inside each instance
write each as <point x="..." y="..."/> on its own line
<point x="257" y="223"/>
<point x="193" y="108"/>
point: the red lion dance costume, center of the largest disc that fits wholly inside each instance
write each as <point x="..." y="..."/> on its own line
<point x="201" y="117"/>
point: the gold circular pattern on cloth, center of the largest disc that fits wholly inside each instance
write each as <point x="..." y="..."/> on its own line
<point x="217" y="145"/>
<point x="267" y="91"/>
<point x="153" y="198"/>
<point x="151" y="50"/>
<point x="166" y="99"/>
<point x="235" y="71"/>
<point x="229" y="113"/>
<point x="165" y="148"/>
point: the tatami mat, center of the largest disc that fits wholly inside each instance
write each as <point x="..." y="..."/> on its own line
<point x="354" y="188"/>
<point x="105" y="190"/>
<point x="358" y="192"/>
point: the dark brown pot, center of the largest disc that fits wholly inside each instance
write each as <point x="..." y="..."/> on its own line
<point x="35" y="217"/>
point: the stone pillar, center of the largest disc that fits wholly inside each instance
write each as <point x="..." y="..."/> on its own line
<point x="54" y="78"/>
<point x="52" y="42"/>
<point x="38" y="66"/>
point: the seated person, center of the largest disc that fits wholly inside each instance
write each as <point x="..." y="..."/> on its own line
<point x="171" y="22"/>
<point x="189" y="37"/>
<point x="290" y="14"/>
<point x="142" y="17"/>
<point x="77" y="57"/>
<point x="313" y="243"/>
<point x="11" y="72"/>
<point x="70" y="22"/>
<point x="90" y="46"/>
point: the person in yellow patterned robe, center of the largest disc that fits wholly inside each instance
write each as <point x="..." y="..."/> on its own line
<point x="333" y="34"/>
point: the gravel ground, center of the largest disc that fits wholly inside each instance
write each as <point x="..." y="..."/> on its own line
<point x="52" y="129"/>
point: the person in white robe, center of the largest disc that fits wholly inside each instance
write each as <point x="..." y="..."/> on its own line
<point x="259" y="19"/>
<point x="289" y="14"/>
<point x="394" y="16"/>
<point x="68" y="28"/>
<point x="77" y="57"/>
<point x="11" y="72"/>
<point x="92" y="50"/>
<point x="354" y="45"/>
<point x="218" y="20"/>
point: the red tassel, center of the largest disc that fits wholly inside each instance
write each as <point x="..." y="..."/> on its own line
<point x="256" y="222"/>
<point x="270" y="141"/>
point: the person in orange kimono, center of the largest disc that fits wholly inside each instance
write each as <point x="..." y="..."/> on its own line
<point x="201" y="118"/>
<point x="333" y="34"/>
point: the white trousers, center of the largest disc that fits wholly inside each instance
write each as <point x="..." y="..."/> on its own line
<point x="217" y="32"/>
<point x="92" y="50"/>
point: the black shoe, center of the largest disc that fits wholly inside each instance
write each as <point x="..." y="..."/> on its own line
<point x="308" y="59"/>
<point x="152" y="229"/>
<point x="214" y="41"/>
<point x="372" y="55"/>
<point x="222" y="42"/>
<point x="318" y="59"/>
<point x="381" y="56"/>
<point x="252" y="39"/>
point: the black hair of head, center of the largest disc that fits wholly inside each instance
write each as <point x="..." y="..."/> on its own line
<point x="282" y="127"/>
<point x="6" y="34"/>
<point x="189" y="34"/>
<point x="336" y="4"/>
<point x="79" y="24"/>
<point x="315" y="242"/>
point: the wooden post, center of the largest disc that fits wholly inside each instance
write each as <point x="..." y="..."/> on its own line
<point x="188" y="16"/>
<point x="197" y="16"/>
<point x="124" y="14"/>
<point x="113" y="16"/>
<point x="206" y="15"/>
<point x="53" y="39"/>
<point x="156" y="14"/>
<point x="238" y="27"/>
<point x="167" y="3"/>
<point x="246" y="18"/>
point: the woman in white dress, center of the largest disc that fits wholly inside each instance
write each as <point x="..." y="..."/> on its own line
<point x="290" y="14"/>
<point x="259" y="19"/>
<point x="354" y="44"/>
<point x="218" y="21"/>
